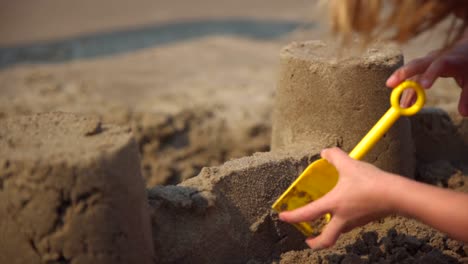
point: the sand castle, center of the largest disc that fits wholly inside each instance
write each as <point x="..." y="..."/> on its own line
<point x="73" y="192"/>
<point x="325" y="99"/>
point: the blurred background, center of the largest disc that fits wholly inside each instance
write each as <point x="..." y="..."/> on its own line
<point x="61" y="30"/>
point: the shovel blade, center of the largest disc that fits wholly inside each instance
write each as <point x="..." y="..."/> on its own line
<point x="314" y="182"/>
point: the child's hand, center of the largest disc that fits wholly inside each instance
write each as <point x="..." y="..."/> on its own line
<point x="450" y="63"/>
<point x="356" y="199"/>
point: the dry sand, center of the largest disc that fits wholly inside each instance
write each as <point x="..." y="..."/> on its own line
<point x="71" y="192"/>
<point x="199" y="102"/>
<point x="325" y="100"/>
<point x="182" y="119"/>
<point x="226" y="209"/>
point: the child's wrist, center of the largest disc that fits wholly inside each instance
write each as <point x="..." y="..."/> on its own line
<point x="389" y="192"/>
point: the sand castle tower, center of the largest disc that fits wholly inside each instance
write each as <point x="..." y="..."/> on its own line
<point x="326" y="100"/>
<point x="71" y="191"/>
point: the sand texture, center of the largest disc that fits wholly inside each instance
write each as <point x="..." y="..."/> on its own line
<point x="226" y="209"/>
<point x="182" y="120"/>
<point x="394" y="240"/>
<point x="327" y="99"/>
<point x="439" y="137"/>
<point x="71" y="192"/>
<point x="199" y="103"/>
<point x="223" y="214"/>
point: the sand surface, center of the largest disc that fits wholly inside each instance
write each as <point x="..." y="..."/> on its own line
<point x="71" y="192"/>
<point x="326" y="100"/>
<point x="199" y="99"/>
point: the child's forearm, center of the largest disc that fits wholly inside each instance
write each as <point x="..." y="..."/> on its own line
<point x="442" y="209"/>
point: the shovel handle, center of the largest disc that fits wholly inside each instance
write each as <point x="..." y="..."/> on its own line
<point x="389" y="118"/>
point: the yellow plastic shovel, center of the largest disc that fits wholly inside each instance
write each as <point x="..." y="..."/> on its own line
<point x="320" y="176"/>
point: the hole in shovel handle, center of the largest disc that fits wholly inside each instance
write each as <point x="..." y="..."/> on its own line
<point x="398" y="91"/>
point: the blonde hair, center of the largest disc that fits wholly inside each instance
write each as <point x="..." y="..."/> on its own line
<point x="396" y="20"/>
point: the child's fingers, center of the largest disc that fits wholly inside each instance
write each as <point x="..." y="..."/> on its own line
<point x="329" y="235"/>
<point x="335" y="156"/>
<point x="463" y="103"/>
<point x="460" y="81"/>
<point x="411" y="69"/>
<point x="407" y="98"/>
<point x="308" y="212"/>
<point x="446" y="66"/>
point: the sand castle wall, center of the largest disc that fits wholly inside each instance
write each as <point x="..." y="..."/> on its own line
<point x="438" y="137"/>
<point x="71" y="192"/>
<point x="326" y="99"/>
<point x="224" y="214"/>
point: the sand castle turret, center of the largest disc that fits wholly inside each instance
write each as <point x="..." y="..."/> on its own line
<point x="71" y="191"/>
<point x="324" y="99"/>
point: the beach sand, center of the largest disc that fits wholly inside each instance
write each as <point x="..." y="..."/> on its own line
<point x="201" y="95"/>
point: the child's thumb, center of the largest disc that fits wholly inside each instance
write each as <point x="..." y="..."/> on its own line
<point x="335" y="156"/>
